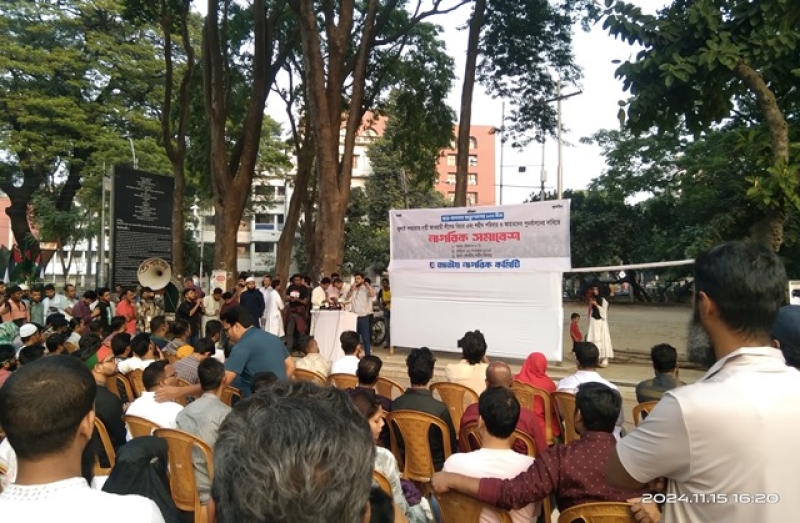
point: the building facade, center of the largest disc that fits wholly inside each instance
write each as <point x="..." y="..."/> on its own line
<point x="481" y="177"/>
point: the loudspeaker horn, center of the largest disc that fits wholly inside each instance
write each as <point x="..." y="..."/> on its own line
<point x="154" y="273"/>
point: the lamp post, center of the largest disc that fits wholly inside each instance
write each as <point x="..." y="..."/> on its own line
<point x="560" y="172"/>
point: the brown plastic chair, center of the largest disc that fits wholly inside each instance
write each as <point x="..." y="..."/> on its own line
<point x="607" y="512"/>
<point x="641" y="410"/>
<point x="527" y="395"/>
<point x="385" y="387"/>
<point x="139" y="426"/>
<point x="456" y="397"/>
<point x="417" y="461"/>
<point x="472" y="435"/>
<point x="565" y="403"/>
<point x="309" y="375"/>
<point x="343" y="381"/>
<point x="527" y="439"/>
<point x="382" y="481"/>
<point x="228" y="393"/>
<point x="120" y="386"/>
<point x="459" y="508"/>
<point x="105" y="439"/>
<point x="182" y="482"/>
<point x="136" y="381"/>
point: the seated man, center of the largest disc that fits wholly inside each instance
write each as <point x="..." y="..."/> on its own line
<point x="498" y="374"/>
<point x="499" y="414"/>
<point x="786" y="331"/>
<point x="665" y="364"/>
<point x="369" y="370"/>
<point x="155" y="376"/>
<point x="574" y="473"/>
<point x="588" y="358"/>
<point x="313" y="360"/>
<point x="187" y="367"/>
<point x="203" y="416"/>
<point x="316" y="465"/>
<point x="144" y="352"/>
<point x="108" y="409"/>
<point x="49" y="431"/>
<point x="418" y="397"/>
<point x="353" y="351"/>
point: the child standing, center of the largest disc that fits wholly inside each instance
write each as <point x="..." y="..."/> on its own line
<point x="574" y="328"/>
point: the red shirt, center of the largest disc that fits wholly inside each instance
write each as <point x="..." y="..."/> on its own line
<point x="126" y="310"/>
<point x="575" y="332"/>
<point x="575" y="473"/>
<point x="527" y="423"/>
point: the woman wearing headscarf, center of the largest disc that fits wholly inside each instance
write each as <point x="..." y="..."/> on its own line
<point x="534" y="373"/>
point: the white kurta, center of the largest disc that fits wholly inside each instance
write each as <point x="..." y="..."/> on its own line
<point x="598" y="332"/>
<point x="273" y="319"/>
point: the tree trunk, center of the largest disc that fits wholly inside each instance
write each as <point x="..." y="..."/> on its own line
<point x="20" y="225"/>
<point x="310" y="227"/>
<point x="769" y="230"/>
<point x="465" y="118"/>
<point x="305" y="166"/>
<point x="178" y="224"/>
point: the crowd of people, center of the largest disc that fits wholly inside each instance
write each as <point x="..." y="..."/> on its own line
<point x="719" y="449"/>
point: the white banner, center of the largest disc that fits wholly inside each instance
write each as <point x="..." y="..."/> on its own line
<point x="531" y="237"/>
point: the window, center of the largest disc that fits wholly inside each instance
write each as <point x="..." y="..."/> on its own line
<point x="280" y="219"/>
<point x="451" y="196"/>
<point x="472" y="198"/>
<point x="263" y="218"/>
<point x="472" y="179"/>
<point x="280" y="190"/>
<point x="451" y="178"/>
<point x="243" y="250"/>
<point x="208" y="220"/>
<point x="451" y="160"/>
<point x="473" y="159"/>
<point x="473" y="142"/>
<point x="264" y="247"/>
<point x="356" y="158"/>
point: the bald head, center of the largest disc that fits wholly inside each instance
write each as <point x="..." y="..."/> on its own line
<point x="498" y="374"/>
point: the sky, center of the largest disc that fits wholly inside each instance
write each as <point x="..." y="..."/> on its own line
<point x="582" y="115"/>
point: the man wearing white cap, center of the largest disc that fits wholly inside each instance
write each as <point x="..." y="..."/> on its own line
<point x="30" y="335"/>
<point x="252" y="299"/>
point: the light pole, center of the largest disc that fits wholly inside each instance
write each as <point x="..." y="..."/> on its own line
<point x="560" y="171"/>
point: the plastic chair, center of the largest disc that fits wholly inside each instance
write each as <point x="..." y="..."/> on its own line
<point x="454" y="396"/>
<point x="120" y="386"/>
<point x="108" y="447"/>
<point x="382" y="481"/>
<point x="417" y="461"/>
<point x="527" y="395"/>
<point x="228" y="394"/>
<point x="385" y="387"/>
<point x="136" y="381"/>
<point x="607" y="512"/>
<point x="527" y="439"/>
<point x="182" y="482"/>
<point x="641" y="410"/>
<point x="343" y="381"/>
<point x="309" y="375"/>
<point x="459" y="508"/>
<point x="565" y="402"/>
<point x="471" y="437"/>
<point x="139" y="426"/>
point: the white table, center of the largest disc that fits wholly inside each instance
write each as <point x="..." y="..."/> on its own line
<point x="328" y="326"/>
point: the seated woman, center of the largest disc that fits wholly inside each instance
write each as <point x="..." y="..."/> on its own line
<point x="471" y="370"/>
<point x="385" y="462"/>
<point x="534" y="373"/>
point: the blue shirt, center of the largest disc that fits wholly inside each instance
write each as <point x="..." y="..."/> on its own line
<point x="256" y="351"/>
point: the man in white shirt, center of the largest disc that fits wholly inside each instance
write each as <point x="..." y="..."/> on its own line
<point x="144" y="352"/>
<point x="588" y="357"/>
<point x="212" y="305"/>
<point x="49" y="432"/>
<point x="155" y="376"/>
<point x="353" y="351"/>
<point x="319" y="296"/>
<point x="361" y="296"/>
<point x="727" y="444"/>
<point x="499" y="413"/>
<point x="55" y="303"/>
